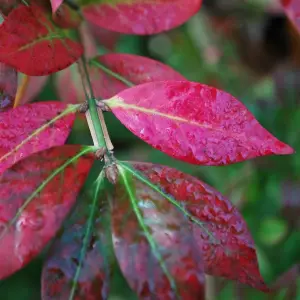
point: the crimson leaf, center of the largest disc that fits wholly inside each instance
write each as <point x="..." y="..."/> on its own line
<point x="35" y="196"/>
<point x="219" y="231"/>
<point x="153" y="243"/>
<point x="33" y="44"/>
<point x="31" y="128"/>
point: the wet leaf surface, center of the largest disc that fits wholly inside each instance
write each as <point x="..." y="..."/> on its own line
<point x="204" y="125"/>
<point x="78" y="264"/>
<point x="31" y="128"/>
<point x="153" y="243"/>
<point x="219" y="231"/>
<point x="39" y="47"/>
<point x="36" y="194"/>
<point x="139" y="16"/>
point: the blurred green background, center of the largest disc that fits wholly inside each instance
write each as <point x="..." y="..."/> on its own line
<point x="246" y="49"/>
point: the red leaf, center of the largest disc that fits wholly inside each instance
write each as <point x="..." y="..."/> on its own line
<point x="292" y="9"/>
<point x="133" y="69"/>
<point x="8" y="86"/>
<point x="204" y="125"/>
<point x="153" y="243"/>
<point x="31" y="128"/>
<point x="35" y="196"/>
<point x="38" y="46"/>
<point x="77" y="266"/>
<point x="219" y="230"/>
<point x="35" y="86"/>
<point x="139" y="16"/>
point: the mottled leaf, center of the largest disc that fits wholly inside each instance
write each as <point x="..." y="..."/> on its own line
<point x="35" y="86"/>
<point x="39" y="47"/>
<point x="8" y="86"/>
<point x="78" y="265"/>
<point x="153" y="243"/>
<point x="219" y="231"/>
<point x="35" y="196"/>
<point x="204" y="125"/>
<point x="31" y="128"/>
<point x="139" y="16"/>
<point x="292" y="9"/>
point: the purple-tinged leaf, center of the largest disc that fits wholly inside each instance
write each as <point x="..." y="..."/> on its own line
<point x="36" y="194"/>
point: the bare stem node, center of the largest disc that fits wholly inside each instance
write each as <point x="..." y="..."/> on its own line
<point x="102" y="105"/>
<point x="83" y="108"/>
<point x="100" y="153"/>
<point x="110" y="169"/>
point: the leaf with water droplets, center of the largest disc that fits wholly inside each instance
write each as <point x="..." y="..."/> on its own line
<point x="31" y="128"/>
<point x="139" y="16"/>
<point x="78" y="264"/>
<point x="203" y="125"/>
<point x="8" y="86"/>
<point x="292" y="9"/>
<point x="219" y="231"/>
<point x="153" y="243"/>
<point x="38" y="46"/>
<point x="36" y="194"/>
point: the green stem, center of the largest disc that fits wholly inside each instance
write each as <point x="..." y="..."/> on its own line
<point x="97" y="64"/>
<point x="97" y="120"/>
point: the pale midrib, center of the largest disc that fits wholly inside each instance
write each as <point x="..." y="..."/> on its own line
<point x="87" y="235"/>
<point x="151" y="242"/>
<point x="69" y="110"/>
<point x="42" y="186"/>
<point x="39" y="40"/>
<point x="170" y="199"/>
<point x="118" y="103"/>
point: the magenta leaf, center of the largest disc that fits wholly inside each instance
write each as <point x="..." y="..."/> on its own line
<point x="31" y="128"/>
<point x="139" y="16"/>
<point x="204" y="125"/>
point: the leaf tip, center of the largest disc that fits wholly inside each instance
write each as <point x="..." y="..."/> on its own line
<point x="285" y="149"/>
